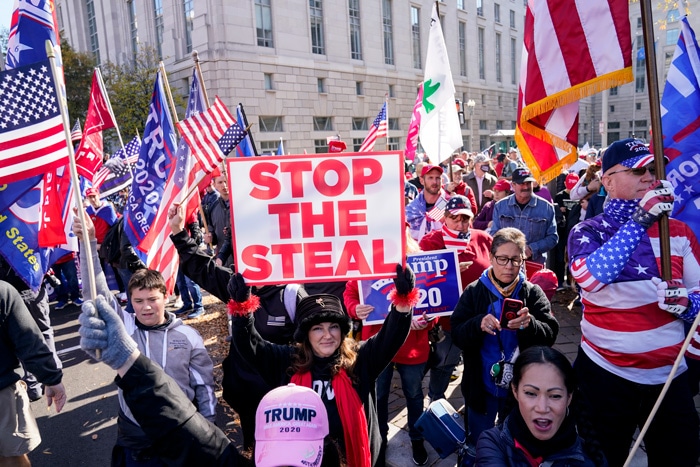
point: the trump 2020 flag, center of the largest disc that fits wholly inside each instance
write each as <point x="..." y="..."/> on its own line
<point x="572" y="49"/>
<point x="680" y="108"/>
<point x="440" y="133"/>
<point x="153" y="169"/>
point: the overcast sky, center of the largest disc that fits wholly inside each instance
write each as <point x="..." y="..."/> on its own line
<point x="6" y="7"/>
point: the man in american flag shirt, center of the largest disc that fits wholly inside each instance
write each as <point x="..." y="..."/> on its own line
<point x="425" y="213"/>
<point x="633" y="321"/>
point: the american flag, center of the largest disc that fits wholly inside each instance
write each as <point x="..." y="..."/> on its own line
<point x="31" y="127"/>
<point x="438" y="210"/>
<point x="76" y="134"/>
<point x="211" y="134"/>
<point x="115" y="175"/>
<point x="568" y="53"/>
<point x="377" y="130"/>
<point x="680" y="107"/>
<point x="455" y="240"/>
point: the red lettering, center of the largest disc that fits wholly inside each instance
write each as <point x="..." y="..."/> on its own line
<point x="260" y="175"/>
<point x="351" y="213"/>
<point x="259" y="268"/>
<point x="352" y="259"/>
<point x="296" y="169"/>
<point x="342" y="172"/>
<point x="326" y="219"/>
<point x="380" y="267"/>
<point x="317" y="259"/>
<point x="287" y="253"/>
<point x="365" y="172"/>
<point x="284" y="211"/>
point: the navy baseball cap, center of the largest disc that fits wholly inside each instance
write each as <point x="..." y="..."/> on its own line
<point x="459" y="204"/>
<point x="522" y="175"/>
<point x="630" y="152"/>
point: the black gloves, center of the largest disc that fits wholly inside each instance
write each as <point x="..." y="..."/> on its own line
<point x="237" y="288"/>
<point x="405" y="280"/>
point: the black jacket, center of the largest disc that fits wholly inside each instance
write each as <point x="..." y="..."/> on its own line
<point x="468" y="336"/>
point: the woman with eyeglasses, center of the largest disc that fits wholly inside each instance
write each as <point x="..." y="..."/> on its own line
<point x="491" y="342"/>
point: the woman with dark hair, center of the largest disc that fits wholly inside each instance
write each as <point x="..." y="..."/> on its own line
<point x="539" y="430"/>
<point x="342" y="371"/>
<point x="490" y="344"/>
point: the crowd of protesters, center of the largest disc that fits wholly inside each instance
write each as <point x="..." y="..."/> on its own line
<point x="598" y="233"/>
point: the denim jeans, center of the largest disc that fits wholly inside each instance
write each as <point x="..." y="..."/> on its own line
<point x="479" y="422"/>
<point x="190" y="292"/>
<point x="412" y="386"/>
<point x="68" y="274"/>
<point x="447" y="359"/>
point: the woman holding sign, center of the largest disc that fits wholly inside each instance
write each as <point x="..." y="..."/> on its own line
<point x="496" y="317"/>
<point x="473" y="248"/>
<point x="341" y="370"/>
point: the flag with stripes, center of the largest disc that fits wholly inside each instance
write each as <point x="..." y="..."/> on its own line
<point x="455" y="240"/>
<point x="32" y="138"/>
<point x="413" y="127"/>
<point x="680" y="120"/>
<point x="377" y="130"/>
<point x="115" y="174"/>
<point x="572" y="49"/>
<point x="211" y="134"/>
<point x="76" y="134"/>
<point x="162" y="255"/>
<point x="438" y="211"/>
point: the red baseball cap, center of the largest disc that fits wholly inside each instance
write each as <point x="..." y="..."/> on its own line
<point x="92" y="192"/>
<point x="502" y="185"/>
<point x="430" y="167"/>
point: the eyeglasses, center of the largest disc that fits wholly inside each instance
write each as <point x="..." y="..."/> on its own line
<point x="637" y="171"/>
<point x="504" y="260"/>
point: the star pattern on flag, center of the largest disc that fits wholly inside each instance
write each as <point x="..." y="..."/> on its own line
<point x="26" y="97"/>
<point x="608" y="264"/>
<point x="231" y="138"/>
<point x="641" y="269"/>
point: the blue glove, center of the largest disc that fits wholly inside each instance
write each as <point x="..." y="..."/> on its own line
<point x="102" y="328"/>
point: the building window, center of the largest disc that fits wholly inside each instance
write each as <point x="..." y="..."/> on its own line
<point x="671" y="36"/>
<point x="498" y="58"/>
<point x="321" y="83"/>
<point x="613" y="125"/>
<point x="673" y="15"/>
<point x="497" y="13"/>
<point x="357" y="144"/>
<point x="92" y="30"/>
<point x="321" y="146"/>
<point x="639" y="22"/>
<point x="513" y="52"/>
<point x="388" y="32"/>
<point x="640" y="64"/>
<point x="270" y="123"/>
<point x="355" y="36"/>
<point x="513" y="124"/>
<point x="158" y="24"/>
<point x="188" y="10"/>
<point x="359" y="123"/>
<point x="358" y="88"/>
<point x="462" y="27"/>
<point x="483" y="124"/>
<point x="512" y="19"/>
<point x="323" y="123"/>
<point x="483" y="142"/>
<point x="392" y="91"/>
<point x="500" y="101"/>
<point x="316" y="9"/>
<point x="269" y="147"/>
<point x="415" y="37"/>
<point x="133" y="28"/>
<point x="263" y="23"/>
<point x="499" y="124"/>
<point x="638" y="105"/>
<point x="613" y="91"/>
<point x="612" y="109"/>
<point x="394" y="143"/>
<point x="483" y="99"/>
<point x="613" y="135"/>
<point x="482" y="68"/>
<point x="480" y="8"/>
<point x="394" y="124"/>
<point x="59" y="17"/>
<point x="269" y="84"/>
<point x="515" y="103"/>
<point x="460" y="4"/>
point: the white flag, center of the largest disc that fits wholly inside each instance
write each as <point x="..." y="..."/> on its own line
<point x="440" y="133"/>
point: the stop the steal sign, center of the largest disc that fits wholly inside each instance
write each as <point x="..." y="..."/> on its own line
<point x="311" y="218"/>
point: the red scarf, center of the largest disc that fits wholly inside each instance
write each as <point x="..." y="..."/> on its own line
<point x="352" y="416"/>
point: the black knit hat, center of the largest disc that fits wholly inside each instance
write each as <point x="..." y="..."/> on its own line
<point x="321" y="308"/>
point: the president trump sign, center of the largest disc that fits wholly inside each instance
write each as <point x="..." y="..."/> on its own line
<point x="311" y="218"/>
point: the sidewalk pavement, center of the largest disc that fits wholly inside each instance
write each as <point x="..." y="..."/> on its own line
<point x="399" y="453"/>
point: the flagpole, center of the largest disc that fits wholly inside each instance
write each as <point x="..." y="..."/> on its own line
<point x="657" y="134"/>
<point x="101" y="84"/>
<point x="168" y="92"/>
<point x="247" y="126"/>
<point x="51" y="54"/>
